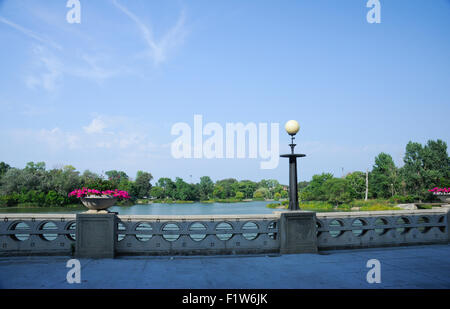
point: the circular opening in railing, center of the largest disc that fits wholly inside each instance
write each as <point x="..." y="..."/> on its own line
<point x="272" y="225"/>
<point x="333" y="225"/>
<point x="423" y="220"/>
<point x="380" y="222"/>
<point x="441" y="220"/>
<point x="48" y="226"/>
<point x="120" y="227"/>
<point x="223" y="228"/>
<point x="170" y="231"/>
<point x="21" y="229"/>
<point x="196" y="228"/>
<point x="146" y="230"/>
<point x="250" y="226"/>
<point x="356" y="227"/>
<point x="402" y="229"/>
<point x="72" y="227"/>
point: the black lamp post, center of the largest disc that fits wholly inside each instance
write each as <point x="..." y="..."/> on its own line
<point x="292" y="128"/>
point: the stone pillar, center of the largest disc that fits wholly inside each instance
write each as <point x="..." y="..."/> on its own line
<point x="298" y="232"/>
<point x="95" y="235"/>
<point x="448" y="225"/>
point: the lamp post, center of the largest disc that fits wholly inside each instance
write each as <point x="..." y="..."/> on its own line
<point x="292" y="127"/>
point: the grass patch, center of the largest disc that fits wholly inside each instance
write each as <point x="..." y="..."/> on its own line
<point x="374" y="205"/>
<point x="321" y="206"/>
<point x="275" y="205"/>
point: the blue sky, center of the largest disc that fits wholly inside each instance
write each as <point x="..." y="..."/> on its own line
<point x="104" y="94"/>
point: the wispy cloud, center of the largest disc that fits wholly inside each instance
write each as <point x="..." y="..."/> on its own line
<point x="118" y="134"/>
<point x="157" y="49"/>
<point x="30" y="33"/>
<point x="48" y="70"/>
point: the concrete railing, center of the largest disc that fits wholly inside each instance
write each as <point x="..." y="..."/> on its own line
<point x="381" y="228"/>
<point x="51" y="234"/>
<point x="92" y="235"/>
<point x="186" y="235"/>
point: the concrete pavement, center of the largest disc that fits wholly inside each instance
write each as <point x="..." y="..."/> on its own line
<point x="401" y="267"/>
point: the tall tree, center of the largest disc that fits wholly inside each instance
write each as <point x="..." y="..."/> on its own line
<point x="116" y="176"/>
<point x="168" y="187"/>
<point x="206" y="187"/>
<point x="356" y="184"/>
<point x="4" y="168"/>
<point x="142" y="184"/>
<point x="315" y="190"/>
<point x="384" y="180"/>
<point x="425" y="167"/>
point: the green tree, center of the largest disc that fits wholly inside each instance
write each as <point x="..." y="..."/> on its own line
<point x="185" y="191"/>
<point x="384" y="180"/>
<point x="206" y="187"/>
<point x="168" y="187"/>
<point x="4" y="168"/>
<point x="239" y="195"/>
<point x="229" y="190"/>
<point x="157" y="192"/>
<point x="142" y="184"/>
<point x="247" y="187"/>
<point x="277" y="196"/>
<point x="337" y="191"/>
<point x="116" y="177"/>
<point x="315" y="190"/>
<point x="356" y="184"/>
<point x="261" y="193"/>
<point x="425" y="167"/>
<point x="219" y="191"/>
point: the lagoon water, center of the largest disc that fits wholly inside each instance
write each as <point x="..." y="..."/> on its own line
<point x="257" y="207"/>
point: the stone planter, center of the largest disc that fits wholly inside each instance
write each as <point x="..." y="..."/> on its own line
<point x="444" y="197"/>
<point x="98" y="203"/>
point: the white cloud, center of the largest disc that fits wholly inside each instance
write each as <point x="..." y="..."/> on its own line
<point x="96" y="126"/>
<point x="158" y="50"/>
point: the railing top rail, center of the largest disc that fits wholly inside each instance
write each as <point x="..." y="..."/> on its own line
<point x="382" y="213"/>
<point x="28" y="216"/>
<point x="199" y="217"/>
<point x="274" y="216"/>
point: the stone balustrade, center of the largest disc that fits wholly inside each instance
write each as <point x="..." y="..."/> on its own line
<point x="47" y="234"/>
<point x="186" y="235"/>
<point x="340" y="230"/>
<point x="280" y="232"/>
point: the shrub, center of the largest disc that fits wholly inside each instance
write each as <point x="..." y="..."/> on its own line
<point x="401" y="199"/>
<point x="239" y="195"/>
<point x="9" y="200"/>
<point x="274" y="205"/>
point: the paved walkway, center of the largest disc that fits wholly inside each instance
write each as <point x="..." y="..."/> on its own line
<point x="401" y="267"/>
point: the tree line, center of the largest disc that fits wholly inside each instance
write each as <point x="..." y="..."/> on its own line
<point x="425" y="167"/>
<point x="35" y="185"/>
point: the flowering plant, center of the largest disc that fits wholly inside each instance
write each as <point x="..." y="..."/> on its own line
<point x="86" y="192"/>
<point x="440" y="191"/>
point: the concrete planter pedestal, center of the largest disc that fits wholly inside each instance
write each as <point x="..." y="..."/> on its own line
<point x="95" y="236"/>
